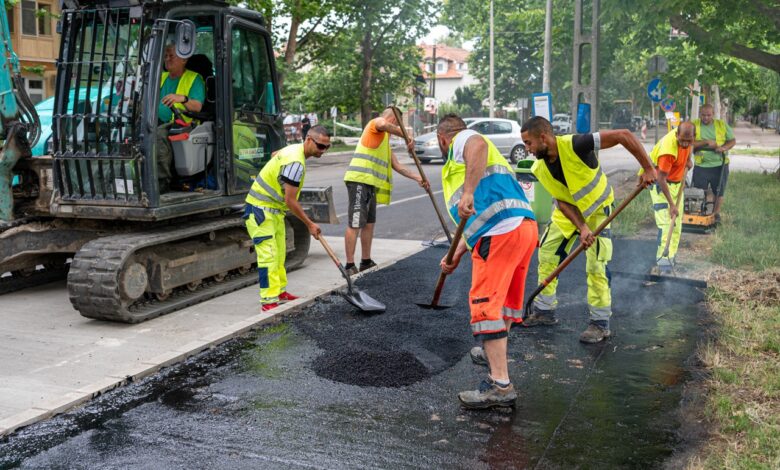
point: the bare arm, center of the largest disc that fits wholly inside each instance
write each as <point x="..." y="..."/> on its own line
<point x="475" y="155"/>
<point x="662" y="183"/>
<point x="191" y="105"/>
<point x="728" y="145"/>
<point x="573" y="213"/>
<point x="290" y="198"/>
<point x="383" y="126"/>
<point x="401" y="169"/>
<point x="625" y="138"/>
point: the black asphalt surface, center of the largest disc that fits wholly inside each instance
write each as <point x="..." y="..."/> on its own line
<point x="334" y="388"/>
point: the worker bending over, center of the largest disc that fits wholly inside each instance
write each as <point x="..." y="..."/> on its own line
<point x="568" y="168"/>
<point x="670" y="157"/>
<point x="369" y="180"/>
<point x="275" y="191"/>
<point x="501" y="234"/>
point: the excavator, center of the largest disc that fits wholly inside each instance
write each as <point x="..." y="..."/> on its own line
<point x="92" y="210"/>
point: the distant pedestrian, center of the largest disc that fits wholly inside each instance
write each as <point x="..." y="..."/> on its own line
<point x="568" y="168"/>
<point x="305" y="126"/>
<point x="501" y="234"/>
<point x="714" y="139"/>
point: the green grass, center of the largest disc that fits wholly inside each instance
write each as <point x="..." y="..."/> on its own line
<point x="757" y="152"/>
<point x="749" y="236"/>
<point x="341" y="148"/>
<point x="636" y="215"/>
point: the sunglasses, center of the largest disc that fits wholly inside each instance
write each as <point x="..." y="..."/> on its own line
<point x="319" y="145"/>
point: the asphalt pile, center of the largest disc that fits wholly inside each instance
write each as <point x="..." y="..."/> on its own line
<point x="402" y="346"/>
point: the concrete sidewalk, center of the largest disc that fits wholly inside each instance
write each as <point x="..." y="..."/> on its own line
<point x="54" y="359"/>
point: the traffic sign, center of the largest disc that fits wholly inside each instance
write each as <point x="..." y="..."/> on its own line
<point x="656" y="90"/>
<point x="668" y="104"/>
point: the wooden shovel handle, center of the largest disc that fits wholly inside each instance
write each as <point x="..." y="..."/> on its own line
<point x="448" y="259"/>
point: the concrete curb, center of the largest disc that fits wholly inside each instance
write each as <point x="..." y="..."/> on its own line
<point x="149" y="367"/>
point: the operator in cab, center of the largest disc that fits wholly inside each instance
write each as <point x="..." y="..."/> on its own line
<point x="184" y="90"/>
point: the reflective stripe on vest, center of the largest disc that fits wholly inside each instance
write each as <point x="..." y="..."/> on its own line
<point x="497" y="197"/>
<point x="588" y="188"/>
<point x="488" y="326"/>
<point x="720" y="137"/>
<point x="373" y="167"/>
<point x="182" y="88"/>
<point x="266" y="190"/>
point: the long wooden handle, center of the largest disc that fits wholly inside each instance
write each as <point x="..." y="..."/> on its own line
<point x="442" y="221"/>
<point x="336" y="261"/>
<point x="448" y="259"/>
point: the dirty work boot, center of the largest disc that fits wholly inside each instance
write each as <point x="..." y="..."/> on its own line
<point x="366" y="264"/>
<point x="540" y="318"/>
<point x="351" y="269"/>
<point x="478" y="356"/>
<point x="489" y="395"/>
<point x="597" y="330"/>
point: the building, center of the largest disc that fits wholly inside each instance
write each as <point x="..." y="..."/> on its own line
<point x="34" y="38"/>
<point x="449" y="72"/>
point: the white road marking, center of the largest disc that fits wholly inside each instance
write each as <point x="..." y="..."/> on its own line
<point x="344" y="214"/>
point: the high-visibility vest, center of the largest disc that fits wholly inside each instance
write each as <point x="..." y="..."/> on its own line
<point x="182" y="88"/>
<point x="497" y="197"/>
<point x="586" y="188"/>
<point x="266" y="191"/>
<point x="373" y="167"/>
<point x="720" y="137"/>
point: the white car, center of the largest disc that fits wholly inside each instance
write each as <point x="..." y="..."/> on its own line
<point x="504" y="133"/>
<point x="561" y="124"/>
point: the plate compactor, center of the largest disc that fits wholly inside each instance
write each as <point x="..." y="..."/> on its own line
<point x="698" y="216"/>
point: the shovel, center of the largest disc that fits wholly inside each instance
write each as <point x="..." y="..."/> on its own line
<point x="397" y="114"/>
<point x="353" y="295"/>
<point x="434" y="305"/>
<point x="580" y="248"/>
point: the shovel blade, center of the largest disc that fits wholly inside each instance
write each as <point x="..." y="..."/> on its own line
<point x="363" y="301"/>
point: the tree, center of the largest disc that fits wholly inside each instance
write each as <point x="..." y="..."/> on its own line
<point x="468" y="99"/>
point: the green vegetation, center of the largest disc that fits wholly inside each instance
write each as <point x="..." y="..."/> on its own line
<point x="748" y="237"/>
<point x="757" y="152"/>
<point x="637" y="215"/>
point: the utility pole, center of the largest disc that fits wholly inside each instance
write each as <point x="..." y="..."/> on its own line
<point x="547" y="48"/>
<point x="581" y="92"/>
<point x="492" y="69"/>
<point x="433" y="81"/>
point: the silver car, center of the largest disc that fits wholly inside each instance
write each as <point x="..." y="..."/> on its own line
<point x="504" y="133"/>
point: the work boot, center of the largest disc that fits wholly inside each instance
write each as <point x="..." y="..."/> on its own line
<point x="351" y="269"/>
<point x="540" y="317"/>
<point x="478" y="356"/>
<point x="489" y="395"/>
<point x="366" y="264"/>
<point x="597" y="331"/>
<point x="271" y="306"/>
<point x="287" y="297"/>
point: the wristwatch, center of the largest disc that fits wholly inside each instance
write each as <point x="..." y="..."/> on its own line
<point x="186" y="98"/>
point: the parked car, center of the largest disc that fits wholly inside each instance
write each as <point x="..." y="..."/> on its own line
<point x="504" y="133"/>
<point x="561" y="124"/>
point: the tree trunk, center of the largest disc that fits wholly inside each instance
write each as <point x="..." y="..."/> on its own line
<point x="366" y="77"/>
<point x="292" y="44"/>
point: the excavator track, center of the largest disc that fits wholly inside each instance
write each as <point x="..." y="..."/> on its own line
<point x="95" y="280"/>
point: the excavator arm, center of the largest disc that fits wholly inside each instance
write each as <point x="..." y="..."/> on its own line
<point x="19" y="123"/>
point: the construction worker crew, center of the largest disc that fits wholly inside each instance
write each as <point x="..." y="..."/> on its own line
<point x="568" y="168"/>
<point x="501" y="234"/>
<point x="274" y="191"/>
<point x="184" y="90"/>
<point x="369" y="180"/>
<point x="714" y="138"/>
<point x="671" y="155"/>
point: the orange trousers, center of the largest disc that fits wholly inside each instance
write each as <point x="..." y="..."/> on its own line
<point x="499" y="266"/>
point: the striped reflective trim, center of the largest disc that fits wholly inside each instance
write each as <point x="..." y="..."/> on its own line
<point x="487" y="214"/>
<point x="370" y="158"/>
<point x="600" y="313"/>
<point x="511" y="312"/>
<point x="491" y="170"/>
<point x="545" y="302"/>
<point x="488" y="326"/>
<point x="261" y="197"/>
<point x="604" y="196"/>
<point x="588" y="187"/>
<point x="271" y="191"/>
<point x="374" y="173"/>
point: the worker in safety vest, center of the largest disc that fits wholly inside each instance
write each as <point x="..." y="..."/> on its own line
<point x="184" y="90"/>
<point x="501" y="234"/>
<point x="369" y="180"/>
<point x="275" y="191"/>
<point x="568" y="168"/>
<point x="714" y="138"/>
<point x="670" y="156"/>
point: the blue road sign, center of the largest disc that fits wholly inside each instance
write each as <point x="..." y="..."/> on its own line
<point x="656" y="90"/>
<point x="668" y="104"/>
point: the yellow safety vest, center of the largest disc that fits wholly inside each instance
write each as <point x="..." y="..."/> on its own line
<point x="266" y="191"/>
<point x="720" y="137"/>
<point x="373" y="167"/>
<point x="497" y="197"/>
<point x="588" y="188"/>
<point x="182" y="88"/>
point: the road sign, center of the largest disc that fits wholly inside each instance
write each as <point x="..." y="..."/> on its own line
<point x="334" y="111"/>
<point x="656" y="90"/>
<point x="668" y="104"/>
<point x="542" y="105"/>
